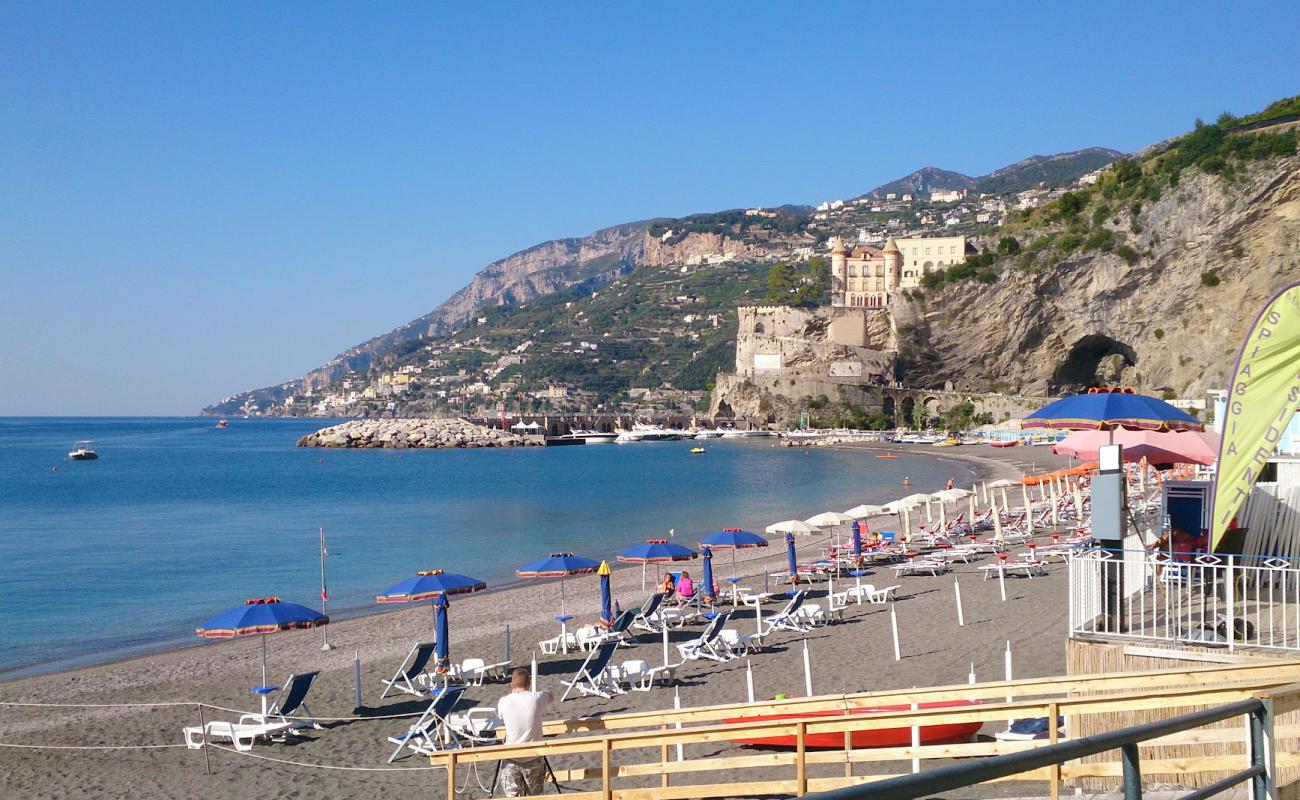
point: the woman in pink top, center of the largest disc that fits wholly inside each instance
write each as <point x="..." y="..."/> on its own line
<point x="685" y="588"/>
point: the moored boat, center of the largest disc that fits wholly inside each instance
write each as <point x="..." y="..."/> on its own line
<point x="883" y="737"/>
<point x="81" y="451"/>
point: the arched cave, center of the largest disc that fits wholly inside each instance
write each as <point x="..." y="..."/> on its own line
<point x="887" y="407"/>
<point x="1094" y="360"/>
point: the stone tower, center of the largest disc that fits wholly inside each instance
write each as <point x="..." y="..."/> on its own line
<point x="839" y="272"/>
<point x="893" y="265"/>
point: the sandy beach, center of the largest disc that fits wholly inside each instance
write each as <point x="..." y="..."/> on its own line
<point x="853" y="656"/>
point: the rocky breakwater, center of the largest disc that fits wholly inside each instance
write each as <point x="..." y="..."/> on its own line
<point x="413" y="433"/>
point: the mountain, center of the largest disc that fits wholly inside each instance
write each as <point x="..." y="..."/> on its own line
<point x="1061" y="169"/>
<point x="924" y="181"/>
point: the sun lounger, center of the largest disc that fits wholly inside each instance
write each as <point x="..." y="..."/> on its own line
<point x="477" y="670"/>
<point x="1027" y="568"/>
<point x="817" y="617"/>
<point x="291" y="698"/>
<point x="788" y="618"/>
<point x="242" y="735"/>
<point x="648" y="619"/>
<point x="867" y="592"/>
<point x="592" y="677"/>
<point x="618" y="632"/>
<point x="921" y="566"/>
<point x="639" y="676"/>
<point x="707" y="645"/>
<point x="432" y="731"/>
<point x="412" y="676"/>
<point x="739" y="644"/>
<point x="567" y="640"/>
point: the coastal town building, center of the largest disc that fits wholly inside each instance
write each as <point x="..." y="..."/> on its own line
<point x="866" y="277"/>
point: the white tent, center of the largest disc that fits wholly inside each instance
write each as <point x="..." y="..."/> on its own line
<point x="864" y="511"/>
<point x="532" y="426"/>
<point x="519" y="426"/>
<point x="791" y="526"/>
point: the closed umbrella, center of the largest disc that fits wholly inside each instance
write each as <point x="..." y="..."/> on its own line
<point x="790" y="558"/>
<point x="606" y="600"/>
<point x="442" y="642"/>
<point x="710" y="594"/>
<point x="857" y="539"/>
<point x="260" y="617"/>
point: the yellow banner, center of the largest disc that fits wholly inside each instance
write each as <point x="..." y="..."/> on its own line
<point x="1262" y="397"/>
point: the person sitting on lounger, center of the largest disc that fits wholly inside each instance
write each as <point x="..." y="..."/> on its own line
<point x="521" y="713"/>
<point x="685" y="589"/>
<point x="666" y="587"/>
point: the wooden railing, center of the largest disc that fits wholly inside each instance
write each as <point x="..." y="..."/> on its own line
<point x="659" y="733"/>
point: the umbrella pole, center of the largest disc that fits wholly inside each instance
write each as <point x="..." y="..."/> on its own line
<point x="263" y="694"/>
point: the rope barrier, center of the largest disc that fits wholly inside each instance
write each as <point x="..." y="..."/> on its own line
<point x="89" y="746"/>
<point x="405" y="715"/>
<point x="320" y="766"/>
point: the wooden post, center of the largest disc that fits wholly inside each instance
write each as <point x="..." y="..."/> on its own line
<point x="606" y="788"/>
<point x="800" y="766"/>
<point x="663" y="759"/>
<point x="848" y="754"/>
<point x="203" y="731"/>
<point x="451" y="775"/>
<point x="1054" y="712"/>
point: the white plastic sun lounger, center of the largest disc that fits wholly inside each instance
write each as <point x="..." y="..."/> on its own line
<point x="242" y="735"/>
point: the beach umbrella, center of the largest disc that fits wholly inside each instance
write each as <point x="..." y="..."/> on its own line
<point x="733" y="539"/>
<point x="259" y="617"/>
<point x="430" y="585"/>
<point x="606" y="601"/>
<point x="829" y="519"/>
<point x="1108" y="409"/>
<point x="791" y="526"/>
<point x="790" y="557"/>
<point x="1157" y="447"/>
<point x="442" y="639"/>
<point x="857" y="539"/>
<point x="558" y="565"/>
<point x="709" y="594"/>
<point x="864" y="511"/>
<point x="655" y="551"/>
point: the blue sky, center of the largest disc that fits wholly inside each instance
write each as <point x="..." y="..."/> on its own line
<point x="201" y="198"/>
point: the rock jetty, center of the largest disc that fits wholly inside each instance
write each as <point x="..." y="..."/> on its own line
<point x="411" y="433"/>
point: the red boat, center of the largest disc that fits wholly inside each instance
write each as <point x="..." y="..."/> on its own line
<point x="882" y="737"/>
<point x="886" y="455"/>
<point x="1007" y="443"/>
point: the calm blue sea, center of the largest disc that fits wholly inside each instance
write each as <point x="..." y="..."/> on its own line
<point x="178" y="520"/>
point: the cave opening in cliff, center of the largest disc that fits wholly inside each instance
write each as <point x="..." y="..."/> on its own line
<point x="1094" y="360"/>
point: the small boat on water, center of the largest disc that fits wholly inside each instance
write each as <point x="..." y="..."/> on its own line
<point x="697" y="450"/>
<point x="223" y="423"/>
<point x="1005" y="443"/>
<point x="886" y="455"/>
<point x="595" y="437"/>
<point x="883" y="737"/>
<point x="81" y="451"/>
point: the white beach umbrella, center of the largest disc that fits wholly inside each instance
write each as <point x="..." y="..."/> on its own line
<point x="829" y="519"/>
<point x="915" y="499"/>
<point x="951" y="495"/>
<point x="795" y="526"/>
<point x="864" y="511"/>
<point x="1001" y="483"/>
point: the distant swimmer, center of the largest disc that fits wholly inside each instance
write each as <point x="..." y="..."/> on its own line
<point x="950" y="483"/>
<point x="907" y="481"/>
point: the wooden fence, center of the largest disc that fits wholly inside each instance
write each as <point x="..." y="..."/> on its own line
<point x="600" y="750"/>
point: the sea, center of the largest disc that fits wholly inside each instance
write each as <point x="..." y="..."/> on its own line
<point x="178" y="519"/>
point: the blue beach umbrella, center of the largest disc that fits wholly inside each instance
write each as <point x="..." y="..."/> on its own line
<point x="656" y="551"/>
<point x="857" y="539"/>
<point x="709" y="595"/>
<point x="1108" y="409"/>
<point x="733" y="539"/>
<point x="430" y="584"/>
<point x="442" y="640"/>
<point x="558" y="565"/>
<point x="259" y="617"/>
<point x="790" y="557"/>
<point x="606" y="600"/>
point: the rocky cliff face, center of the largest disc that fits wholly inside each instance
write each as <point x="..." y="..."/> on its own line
<point x="655" y="253"/>
<point x="1212" y="250"/>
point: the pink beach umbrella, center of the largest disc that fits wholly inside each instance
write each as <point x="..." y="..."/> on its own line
<point x="1184" y="447"/>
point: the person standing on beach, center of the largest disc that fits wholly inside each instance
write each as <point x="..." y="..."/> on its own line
<point x="521" y="713"/>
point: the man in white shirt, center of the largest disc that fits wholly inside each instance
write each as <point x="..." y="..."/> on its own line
<point x="521" y="713"/>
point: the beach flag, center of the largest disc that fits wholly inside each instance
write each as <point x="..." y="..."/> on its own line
<point x="1262" y="397"/>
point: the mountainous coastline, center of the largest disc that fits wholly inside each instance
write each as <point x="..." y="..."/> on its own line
<point x="1088" y="282"/>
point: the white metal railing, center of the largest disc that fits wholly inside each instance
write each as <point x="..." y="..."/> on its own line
<point x="1229" y="601"/>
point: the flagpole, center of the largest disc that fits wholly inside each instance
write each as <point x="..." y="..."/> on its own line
<point x="324" y="594"/>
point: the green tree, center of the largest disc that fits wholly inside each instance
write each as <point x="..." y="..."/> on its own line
<point x="1008" y="246"/>
<point x="781" y="281"/>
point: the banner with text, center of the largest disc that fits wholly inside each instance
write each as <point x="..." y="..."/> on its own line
<point x="1262" y="397"/>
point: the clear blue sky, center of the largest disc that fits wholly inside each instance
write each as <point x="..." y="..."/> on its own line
<point x="201" y="198"/>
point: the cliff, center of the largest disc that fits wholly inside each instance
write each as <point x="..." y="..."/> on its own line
<point x="1169" y="318"/>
